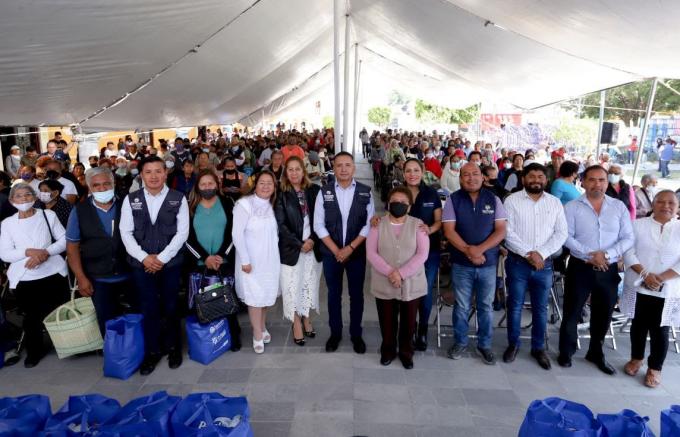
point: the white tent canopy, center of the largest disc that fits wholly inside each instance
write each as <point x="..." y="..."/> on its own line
<point x="187" y="63"/>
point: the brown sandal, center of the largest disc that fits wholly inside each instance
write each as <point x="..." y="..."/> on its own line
<point x="632" y="367"/>
<point x="653" y="378"/>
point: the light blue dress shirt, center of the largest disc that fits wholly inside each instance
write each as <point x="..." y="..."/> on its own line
<point x="611" y="231"/>
<point x="344" y="197"/>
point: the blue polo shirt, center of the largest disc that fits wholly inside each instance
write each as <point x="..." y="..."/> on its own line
<point x="424" y="206"/>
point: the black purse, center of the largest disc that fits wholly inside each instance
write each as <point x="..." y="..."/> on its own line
<point x="216" y="301"/>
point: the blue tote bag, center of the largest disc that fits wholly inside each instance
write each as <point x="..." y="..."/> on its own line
<point x="670" y="421"/>
<point x="123" y="346"/>
<point x="146" y="415"/>
<point x="23" y="416"/>
<point x="555" y="417"/>
<point x="81" y="416"/>
<point x="211" y="415"/>
<point x="627" y="423"/>
<point x="207" y="341"/>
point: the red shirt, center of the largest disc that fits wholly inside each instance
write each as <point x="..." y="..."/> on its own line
<point x="432" y="165"/>
<point x="289" y="151"/>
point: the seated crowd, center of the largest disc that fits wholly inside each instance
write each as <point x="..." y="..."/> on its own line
<point x="132" y="227"/>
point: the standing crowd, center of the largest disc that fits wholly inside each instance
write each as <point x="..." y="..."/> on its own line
<point x="277" y="210"/>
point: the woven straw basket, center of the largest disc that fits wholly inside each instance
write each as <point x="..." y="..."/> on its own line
<point x="73" y="327"/>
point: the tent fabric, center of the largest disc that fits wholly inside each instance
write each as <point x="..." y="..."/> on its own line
<point x="225" y="61"/>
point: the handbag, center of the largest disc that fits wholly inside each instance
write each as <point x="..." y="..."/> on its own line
<point x="216" y="301"/>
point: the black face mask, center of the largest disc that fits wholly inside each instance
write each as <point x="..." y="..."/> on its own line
<point x="52" y="174"/>
<point x="230" y="172"/>
<point x="397" y="209"/>
<point x="493" y="181"/>
<point x="208" y="194"/>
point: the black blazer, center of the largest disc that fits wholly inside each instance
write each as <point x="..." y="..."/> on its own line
<point x="199" y="253"/>
<point x="291" y="222"/>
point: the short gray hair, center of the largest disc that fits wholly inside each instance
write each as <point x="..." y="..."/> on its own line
<point x="647" y="178"/>
<point x="18" y="187"/>
<point x="96" y="171"/>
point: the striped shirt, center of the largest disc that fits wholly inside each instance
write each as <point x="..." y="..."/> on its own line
<point x="535" y="225"/>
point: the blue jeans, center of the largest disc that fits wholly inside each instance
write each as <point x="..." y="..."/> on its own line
<point x="333" y="272"/>
<point x="479" y="282"/>
<point x="663" y="167"/>
<point x="425" y="308"/>
<point x="522" y="278"/>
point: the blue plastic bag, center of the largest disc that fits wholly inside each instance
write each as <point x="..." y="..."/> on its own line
<point x="147" y="415"/>
<point x="627" y="423"/>
<point x="670" y="421"/>
<point x="81" y="416"/>
<point x="211" y="415"/>
<point x="207" y="341"/>
<point x="123" y="346"/>
<point x="555" y="417"/>
<point x="23" y="416"/>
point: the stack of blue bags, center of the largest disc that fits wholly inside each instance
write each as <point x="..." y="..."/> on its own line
<point x="158" y="414"/>
<point x="555" y="417"/>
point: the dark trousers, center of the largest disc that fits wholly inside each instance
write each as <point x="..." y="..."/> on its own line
<point x="107" y="300"/>
<point x="647" y="320"/>
<point x="397" y="325"/>
<point x="582" y="281"/>
<point x="36" y="300"/>
<point x="333" y="272"/>
<point x="157" y="294"/>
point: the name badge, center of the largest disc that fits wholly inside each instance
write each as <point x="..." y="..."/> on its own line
<point x="365" y="194"/>
<point x="136" y="204"/>
<point x="173" y="202"/>
<point x="488" y="209"/>
<point x="428" y="204"/>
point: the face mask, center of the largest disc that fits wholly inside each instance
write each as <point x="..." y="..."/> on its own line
<point x="493" y="181"/>
<point x="121" y="171"/>
<point x="23" y="207"/>
<point x="230" y="172"/>
<point x="134" y="171"/>
<point x="507" y="166"/>
<point x="26" y="176"/>
<point x="179" y="148"/>
<point x="45" y="197"/>
<point x="614" y="178"/>
<point x="16" y="157"/>
<point x="206" y="150"/>
<point x="121" y="165"/>
<point x="52" y="174"/>
<point x="103" y="196"/>
<point x="455" y="165"/>
<point x="398" y="209"/>
<point x="169" y="164"/>
<point x="318" y="142"/>
<point x="208" y="194"/>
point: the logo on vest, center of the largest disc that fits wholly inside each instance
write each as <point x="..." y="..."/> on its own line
<point x="488" y="209"/>
<point x="136" y="204"/>
<point x="365" y="194"/>
<point x="173" y="202"/>
<point x="328" y="197"/>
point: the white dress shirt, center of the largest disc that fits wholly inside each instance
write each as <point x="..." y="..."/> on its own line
<point x="69" y="187"/>
<point x="17" y="235"/>
<point x="344" y="197"/>
<point x="535" y="225"/>
<point x="153" y="204"/>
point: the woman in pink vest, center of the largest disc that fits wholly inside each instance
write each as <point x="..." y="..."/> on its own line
<point x="397" y="250"/>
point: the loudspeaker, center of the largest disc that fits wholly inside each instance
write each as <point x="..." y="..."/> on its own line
<point x="610" y="133"/>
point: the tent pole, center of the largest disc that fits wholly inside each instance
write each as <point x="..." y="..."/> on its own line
<point x="599" y="128"/>
<point x="336" y="71"/>
<point x="357" y="72"/>
<point x="263" y="129"/>
<point x="645" y="128"/>
<point x="345" y="100"/>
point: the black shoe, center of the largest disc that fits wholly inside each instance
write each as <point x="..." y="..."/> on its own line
<point x="235" y="343"/>
<point x="456" y="351"/>
<point x="174" y="358"/>
<point x="12" y="357"/>
<point x="359" y="345"/>
<point x="421" y="343"/>
<point x="564" y="360"/>
<point x="32" y="360"/>
<point x="332" y="343"/>
<point x="510" y="354"/>
<point x="310" y="334"/>
<point x="149" y="364"/>
<point x="487" y="356"/>
<point x="298" y="341"/>
<point x="541" y="358"/>
<point x="602" y="364"/>
<point x="385" y="361"/>
<point x="406" y="362"/>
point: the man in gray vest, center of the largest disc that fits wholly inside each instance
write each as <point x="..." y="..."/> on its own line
<point x="342" y="220"/>
<point x="96" y="254"/>
<point x="154" y="225"/>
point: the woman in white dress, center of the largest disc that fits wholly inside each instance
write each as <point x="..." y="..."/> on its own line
<point x="298" y="248"/>
<point x="255" y="236"/>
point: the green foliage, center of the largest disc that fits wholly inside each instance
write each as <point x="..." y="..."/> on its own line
<point x="328" y="121"/>
<point x="574" y="132"/>
<point x="430" y="113"/>
<point x="630" y="96"/>
<point x="397" y="98"/>
<point x="379" y="115"/>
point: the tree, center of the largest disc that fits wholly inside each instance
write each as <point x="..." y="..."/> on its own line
<point x="379" y="115"/>
<point x="430" y="113"/>
<point x="328" y="121"/>
<point x="576" y="133"/>
<point x="630" y="96"/>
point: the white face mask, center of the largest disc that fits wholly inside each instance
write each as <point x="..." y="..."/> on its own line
<point x="45" y="197"/>
<point x="169" y="164"/>
<point x="507" y="166"/>
<point x="23" y="207"/>
<point x="614" y="178"/>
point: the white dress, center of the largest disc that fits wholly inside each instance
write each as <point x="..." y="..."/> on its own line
<point x="300" y="283"/>
<point x="256" y="238"/>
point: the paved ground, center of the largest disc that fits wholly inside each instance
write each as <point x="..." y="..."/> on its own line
<point x="304" y="391"/>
